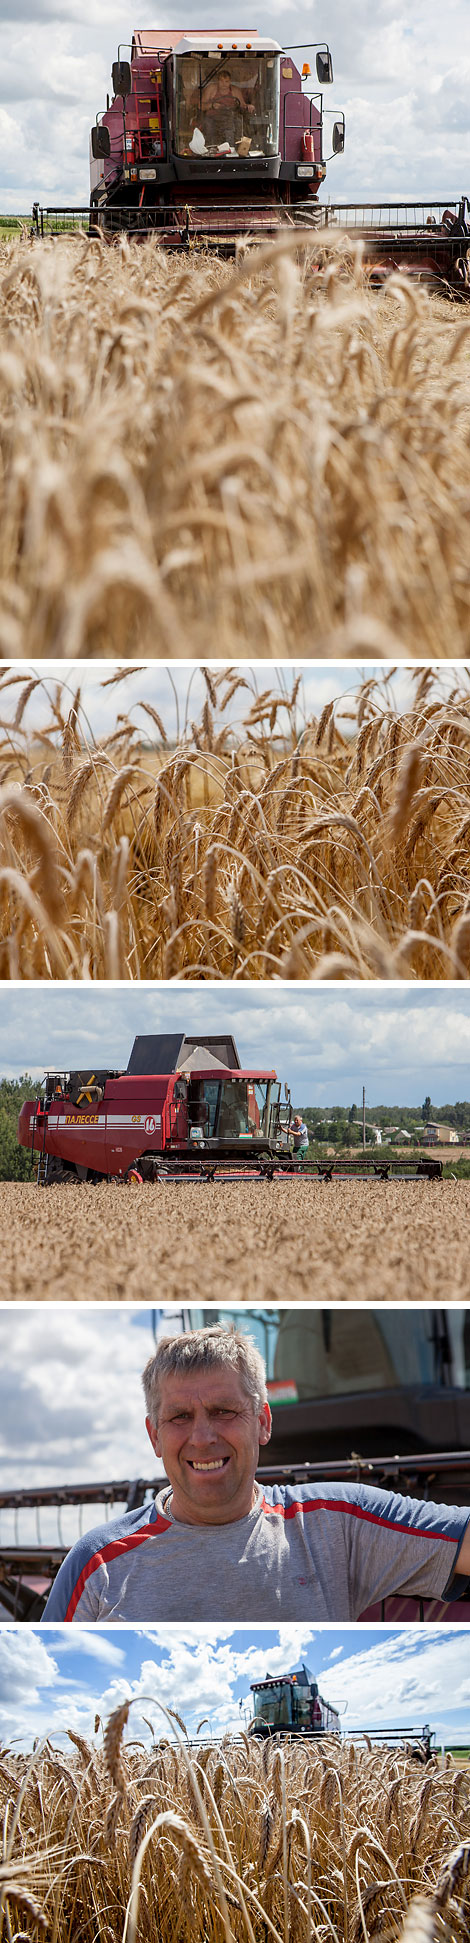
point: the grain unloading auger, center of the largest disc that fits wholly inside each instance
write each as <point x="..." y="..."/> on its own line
<point x="183" y="1109"/>
<point x="211" y="139"/>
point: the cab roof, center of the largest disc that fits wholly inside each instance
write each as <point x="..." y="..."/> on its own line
<point x="205" y="40"/>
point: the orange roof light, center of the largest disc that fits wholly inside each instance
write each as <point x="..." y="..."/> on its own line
<point x="306" y="69"/>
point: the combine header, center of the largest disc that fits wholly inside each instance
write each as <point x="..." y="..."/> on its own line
<point x="183" y="1109"/>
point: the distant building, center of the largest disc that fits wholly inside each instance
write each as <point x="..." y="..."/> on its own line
<point x="436" y="1134"/>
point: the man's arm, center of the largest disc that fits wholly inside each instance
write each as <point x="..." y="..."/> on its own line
<point x="401" y="1545"/>
<point x="72" y="1588"/>
<point x="463" y="1561"/>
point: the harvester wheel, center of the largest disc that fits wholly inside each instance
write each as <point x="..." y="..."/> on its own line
<point x="59" y="1172"/>
<point x="134" y="1177"/>
<point x="307" y="213"/>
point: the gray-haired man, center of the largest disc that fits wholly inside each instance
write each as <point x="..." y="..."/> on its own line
<point x="216" y="1545"/>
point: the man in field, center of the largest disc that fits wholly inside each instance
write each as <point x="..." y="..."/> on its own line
<point x="214" y="1544"/>
<point x="300" y="1136"/>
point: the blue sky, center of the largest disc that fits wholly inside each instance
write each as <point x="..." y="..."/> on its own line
<point x="53" y="1678"/>
<point x="400" y="1042"/>
<point x="401" y="76"/>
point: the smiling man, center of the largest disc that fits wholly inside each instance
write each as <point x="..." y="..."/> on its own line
<point x="215" y="1544"/>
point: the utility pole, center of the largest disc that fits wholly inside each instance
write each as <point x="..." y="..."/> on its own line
<point x="363" y="1119"/>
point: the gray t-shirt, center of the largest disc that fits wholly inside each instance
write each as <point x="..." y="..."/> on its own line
<point x="304" y="1552"/>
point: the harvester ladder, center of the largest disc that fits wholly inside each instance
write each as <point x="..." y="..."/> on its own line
<point x="43" y="1161"/>
<point x="138" y="102"/>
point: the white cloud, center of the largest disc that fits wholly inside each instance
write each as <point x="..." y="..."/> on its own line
<point x="400" y="1676"/>
<point x="197" y="1675"/>
<point x="402" y="80"/>
<point x="326" y="1042"/>
<point x="71" y="1402"/>
<point x="415" y="1672"/>
<point x="24" y="1662"/>
<point x="97" y="1645"/>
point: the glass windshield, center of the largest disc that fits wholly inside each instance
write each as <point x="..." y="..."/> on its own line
<point x="238" y="1111"/>
<point x="228" y="1109"/>
<point x="226" y="104"/>
<point x="328" y="1352"/>
<point x="273" y="1705"/>
<point x="302" y="1706"/>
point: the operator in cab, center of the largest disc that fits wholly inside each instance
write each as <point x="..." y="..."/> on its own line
<point x="225" y="110"/>
<point x="215" y="1544"/>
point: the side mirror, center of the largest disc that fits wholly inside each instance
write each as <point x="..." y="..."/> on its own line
<point x="122" y="81"/>
<point x="338" y="137"/>
<point x="100" y="143"/>
<point x="324" y="68"/>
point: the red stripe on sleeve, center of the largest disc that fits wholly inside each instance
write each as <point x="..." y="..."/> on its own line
<point x="354" y="1511"/>
<point x="114" y="1550"/>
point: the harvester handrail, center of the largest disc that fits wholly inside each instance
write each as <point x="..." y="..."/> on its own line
<point x="414" y="1463"/>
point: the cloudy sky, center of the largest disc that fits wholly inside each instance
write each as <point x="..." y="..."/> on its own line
<point x="401" y="76"/>
<point x="400" y="1041"/>
<point x="60" y="1677"/>
<point x="72" y="1406"/>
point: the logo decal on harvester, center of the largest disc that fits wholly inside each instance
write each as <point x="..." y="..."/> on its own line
<point x="150" y="1124"/>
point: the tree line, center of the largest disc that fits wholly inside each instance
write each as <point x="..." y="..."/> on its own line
<point x="15" y="1161"/>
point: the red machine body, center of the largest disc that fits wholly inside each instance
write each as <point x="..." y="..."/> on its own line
<point x="209" y="125"/>
<point x="105" y="1124"/>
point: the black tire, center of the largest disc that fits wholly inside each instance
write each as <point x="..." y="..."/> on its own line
<point x="59" y="1172"/>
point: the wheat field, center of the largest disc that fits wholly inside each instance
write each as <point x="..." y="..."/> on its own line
<point x="238" y="1842"/>
<point x="278" y="847"/>
<point x="250" y="1241"/>
<point x="202" y="458"/>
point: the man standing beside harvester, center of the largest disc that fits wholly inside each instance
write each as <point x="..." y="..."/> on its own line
<point x="215" y="1544"/>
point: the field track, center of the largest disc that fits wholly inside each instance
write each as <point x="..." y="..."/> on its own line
<point x="198" y="457"/>
<point x="348" y="1241"/>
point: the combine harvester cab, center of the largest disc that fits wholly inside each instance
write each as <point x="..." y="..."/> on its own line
<point x="209" y="136"/>
<point x="290" y="1705"/>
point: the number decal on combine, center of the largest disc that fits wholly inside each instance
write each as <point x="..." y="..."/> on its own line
<point x="150" y="1124"/>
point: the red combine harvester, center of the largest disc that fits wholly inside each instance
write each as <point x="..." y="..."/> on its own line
<point x="184" y="1108"/>
<point x="290" y="1705"/>
<point x="209" y="133"/>
<point x="212" y="137"/>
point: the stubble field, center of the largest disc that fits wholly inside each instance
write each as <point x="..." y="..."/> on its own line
<point x="343" y="1241"/>
<point x="198" y="457"/>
